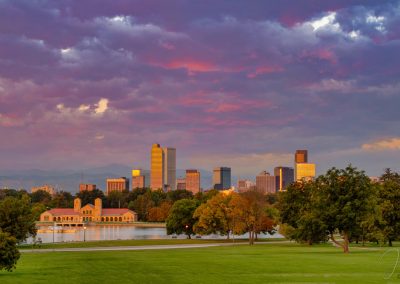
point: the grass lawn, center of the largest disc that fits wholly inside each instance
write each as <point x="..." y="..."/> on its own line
<point x="264" y="263"/>
<point x="138" y="243"/>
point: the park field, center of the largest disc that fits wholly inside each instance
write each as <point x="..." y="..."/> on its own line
<point x="261" y="263"/>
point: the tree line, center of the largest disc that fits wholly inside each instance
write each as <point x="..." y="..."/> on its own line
<point x="341" y="206"/>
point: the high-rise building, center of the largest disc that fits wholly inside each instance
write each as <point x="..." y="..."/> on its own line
<point x="283" y="177"/>
<point x="157" y="167"/>
<point x="305" y="171"/>
<point x="181" y="183"/>
<point x="140" y="178"/>
<point x="222" y="178"/>
<point x="170" y="168"/>
<point x="265" y="183"/>
<point x="86" y="186"/>
<point x="245" y="185"/>
<point x="193" y="181"/>
<point x="117" y="184"/>
<point x="301" y="156"/>
<point x="302" y="169"/>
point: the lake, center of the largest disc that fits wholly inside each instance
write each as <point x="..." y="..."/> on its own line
<point x="115" y="232"/>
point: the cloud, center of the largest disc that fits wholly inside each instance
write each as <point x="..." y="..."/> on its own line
<point x="383" y="144"/>
<point x="102" y="106"/>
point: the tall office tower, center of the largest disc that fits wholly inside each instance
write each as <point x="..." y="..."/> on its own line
<point x="305" y="171"/>
<point x="170" y="168"/>
<point x="283" y="177"/>
<point x="265" y="183"/>
<point x="157" y="167"/>
<point x="301" y="156"/>
<point x="140" y="178"/>
<point x="180" y="183"/>
<point x="117" y="184"/>
<point x="193" y="181"/>
<point x="222" y="178"/>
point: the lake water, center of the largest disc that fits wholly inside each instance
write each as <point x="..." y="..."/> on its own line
<point x="104" y="232"/>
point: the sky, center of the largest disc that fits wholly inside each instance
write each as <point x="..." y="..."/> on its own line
<point x="227" y="83"/>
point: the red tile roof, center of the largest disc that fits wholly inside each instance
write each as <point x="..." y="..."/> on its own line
<point x="62" y="211"/>
<point x="114" y="211"/>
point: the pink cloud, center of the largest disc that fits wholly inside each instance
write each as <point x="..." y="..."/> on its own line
<point x="265" y="70"/>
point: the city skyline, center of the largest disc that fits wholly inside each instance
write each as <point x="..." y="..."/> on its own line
<point x="84" y="84"/>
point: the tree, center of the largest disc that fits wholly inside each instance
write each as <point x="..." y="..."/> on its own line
<point x="16" y="218"/>
<point x="251" y="214"/>
<point x="175" y="195"/>
<point x="298" y="215"/>
<point x="62" y="199"/>
<point x="142" y="205"/>
<point x="9" y="253"/>
<point x="344" y="199"/>
<point x="160" y="213"/>
<point x="41" y="196"/>
<point x="389" y="201"/>
<point x="180" y="219"/>
<point x="215" y="216"/>
<point x="88" y="196"/>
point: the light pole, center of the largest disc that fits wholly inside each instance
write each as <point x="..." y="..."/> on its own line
<point x="54" y="227"/>
<point x="84" y="233"/>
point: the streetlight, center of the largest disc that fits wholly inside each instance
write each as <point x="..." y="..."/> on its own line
<point x="54" y="227"/>
<point x="84" y="233"/>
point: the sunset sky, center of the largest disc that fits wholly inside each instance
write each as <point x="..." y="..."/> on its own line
<point x="228" y="83"/>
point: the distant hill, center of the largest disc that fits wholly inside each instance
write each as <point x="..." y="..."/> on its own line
<point x="69" y="180"/>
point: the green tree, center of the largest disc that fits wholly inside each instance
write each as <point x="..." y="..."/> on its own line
<point x="215" y="216"/>
<point x="142" y="205"/>
<point x="389" y="201"/>
<point x="41" y="196"/>
<point x="9" y="253"/>
<point x="88" y="196"/>
<point x="16" y="218"/>
<point x="180" y="219"/>
<point x="345" y="199"/>
<point x="298" y="214"/>
<point x="175" y="195"/>
<point x="62" y="199"/>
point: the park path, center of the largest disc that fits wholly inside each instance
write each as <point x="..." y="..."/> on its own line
<point x="149" y="247"/>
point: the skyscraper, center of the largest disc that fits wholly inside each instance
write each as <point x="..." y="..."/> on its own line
<point x="303" y="169"/>
<point x="265" y="183"/>
<point x="157" y="167"/>
<point x="170" y="168"/>
<point x="301" y="156"/>
<point x="283" y="177"/>
<point x="193" y="181"/>
<point x="222" y="178"/>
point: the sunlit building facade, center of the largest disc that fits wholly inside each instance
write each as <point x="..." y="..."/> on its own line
<point x="181" y="183"/>
<point x="245" y="185"/>
<point x="87" y="187"/>
<point x="140" y="179"/>
<point x="265" y="183"/>
<point x="79" y="215"/>
<point x="157" y="167"/>
<point x="301" y="156"/>
<point x="193" y="181"/>
<point x="117" y="184"/>
<point x="305" y="171"/>
<point x="47" y="188"/>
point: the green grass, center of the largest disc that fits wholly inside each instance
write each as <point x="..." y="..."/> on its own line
<point x="136" y="243"/>
<point x="264" y="263"/>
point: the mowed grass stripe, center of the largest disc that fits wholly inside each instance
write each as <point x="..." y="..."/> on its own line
<point x="274" y="263"/>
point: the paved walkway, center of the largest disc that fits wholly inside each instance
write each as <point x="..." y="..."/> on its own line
<point x="149" y="247"/>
